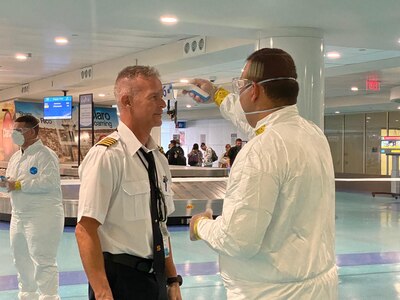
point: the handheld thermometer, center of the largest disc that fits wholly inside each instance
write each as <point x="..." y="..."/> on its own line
<point x="191" y="88"/>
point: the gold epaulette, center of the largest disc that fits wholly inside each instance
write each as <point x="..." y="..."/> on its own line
<point x="108" y="141"/>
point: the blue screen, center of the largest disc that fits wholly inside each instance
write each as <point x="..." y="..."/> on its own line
<point x="58" y="107"/>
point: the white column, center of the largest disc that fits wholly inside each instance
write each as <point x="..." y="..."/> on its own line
<point x="306" y="47"/>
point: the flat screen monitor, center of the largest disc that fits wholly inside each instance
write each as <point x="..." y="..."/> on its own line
<point x="57" y="108"/>
<point x="390" y="145"/>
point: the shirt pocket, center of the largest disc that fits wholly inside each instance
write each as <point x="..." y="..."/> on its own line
<point x="136" y="200"/>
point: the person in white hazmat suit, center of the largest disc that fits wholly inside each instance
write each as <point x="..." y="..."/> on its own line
<point x="37" y="221"/>
<point x="276" y="234"/>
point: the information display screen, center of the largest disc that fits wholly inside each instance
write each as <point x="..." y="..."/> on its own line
<point x="57" y="108"/>
<point x="390" y="144"/>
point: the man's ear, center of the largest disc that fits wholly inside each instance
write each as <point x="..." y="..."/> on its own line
<point x="125" y="101"/>
<point x="256" y="91"/>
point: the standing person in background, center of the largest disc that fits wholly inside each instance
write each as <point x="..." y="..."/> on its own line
<point x="195" y="157"/>
<point x="207" y="156"/>
<point x="37" y="221"/>
<point x="276" y="235"/>
<point x="169" y="148"/>
<point x="235" y="150"/>
<point x="176" y="156"/>
<point x="178" y="144"/>
<point x="125" y="198"/>
<point x="224" y="161"/>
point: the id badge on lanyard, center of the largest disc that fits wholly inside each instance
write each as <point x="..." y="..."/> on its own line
<point x="165" y="235"/>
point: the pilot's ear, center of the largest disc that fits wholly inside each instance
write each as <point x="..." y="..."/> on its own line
<point x="125" y="100"/>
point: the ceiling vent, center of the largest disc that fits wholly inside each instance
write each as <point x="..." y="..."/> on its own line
<point x="25" y="88"/>
<point x="194" y="46"/>
<point x="395" y="94"/>
<point x="86" y="73"/>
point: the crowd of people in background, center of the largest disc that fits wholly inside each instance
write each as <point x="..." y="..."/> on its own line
<point x="203" y="155"/>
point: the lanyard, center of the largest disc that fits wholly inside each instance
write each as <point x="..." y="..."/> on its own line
<point x="160" y="198"/>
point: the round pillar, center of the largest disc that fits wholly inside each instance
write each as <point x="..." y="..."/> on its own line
<point x="306" y="47"/>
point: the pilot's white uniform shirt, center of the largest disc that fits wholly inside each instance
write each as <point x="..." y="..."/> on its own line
<point x="115" y="190"/>
<point x="276" y="235"/>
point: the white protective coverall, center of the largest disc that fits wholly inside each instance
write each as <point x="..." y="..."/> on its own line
<point x="37" y="221"/>
<point x="276" y="235"/>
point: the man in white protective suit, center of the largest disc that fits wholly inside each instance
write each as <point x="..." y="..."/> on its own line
<point x="37" y="221"/>
<point x="276" y="234"/>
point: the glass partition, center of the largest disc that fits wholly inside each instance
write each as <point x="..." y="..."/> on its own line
<point x="353" y="155"/>
<point x="334" y="131"/>
<point x="375" y="125"/>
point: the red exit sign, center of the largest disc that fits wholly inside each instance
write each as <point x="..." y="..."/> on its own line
<point x="373" y="85"/>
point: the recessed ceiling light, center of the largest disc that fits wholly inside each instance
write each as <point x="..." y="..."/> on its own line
<point x="354" y="88"/>
<point x="184" y="80"/>
<point x="102" y="95"/>
<point x="337" y="112"/>
<point x="21" y="56"/>
<point x="61" y="40"/>
<point x="188" y="106"/>
<point x="168" y="20"/>
<point x="333" y="55"/>
<point x="398" y="107"/>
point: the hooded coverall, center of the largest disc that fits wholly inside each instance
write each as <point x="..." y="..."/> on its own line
<point x="37" y="221"/>
<point x="276" y="234"/>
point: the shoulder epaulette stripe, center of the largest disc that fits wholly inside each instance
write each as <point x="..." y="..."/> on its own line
<point x="108" y="141"/>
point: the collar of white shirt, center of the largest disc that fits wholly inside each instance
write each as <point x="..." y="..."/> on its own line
<point x="131" y="141"/>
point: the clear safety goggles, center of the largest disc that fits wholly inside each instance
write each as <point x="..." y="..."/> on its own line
<point x="22" y="130"/>
<point x="241" y="84"/>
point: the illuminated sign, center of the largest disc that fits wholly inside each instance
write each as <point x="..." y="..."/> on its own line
<point x="390" y="144"/>
<point x="373" y="85"/>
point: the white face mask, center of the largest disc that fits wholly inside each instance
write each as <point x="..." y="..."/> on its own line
<point x="18" y="138"/>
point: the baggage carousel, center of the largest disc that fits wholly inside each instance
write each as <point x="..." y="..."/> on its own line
<point x="195" y="189"/>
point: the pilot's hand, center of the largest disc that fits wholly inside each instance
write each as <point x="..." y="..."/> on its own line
<point x="174" y="292"/>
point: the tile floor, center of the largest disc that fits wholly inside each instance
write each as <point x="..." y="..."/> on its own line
<point x="367" y="247"/>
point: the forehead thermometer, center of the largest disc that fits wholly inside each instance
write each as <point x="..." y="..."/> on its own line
<point x="191" y="88"/>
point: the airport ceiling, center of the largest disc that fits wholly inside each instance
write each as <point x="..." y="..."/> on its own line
<point x="105" y="36"/>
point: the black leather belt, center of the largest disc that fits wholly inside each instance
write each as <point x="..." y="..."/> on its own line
<point x="138" y="263"/>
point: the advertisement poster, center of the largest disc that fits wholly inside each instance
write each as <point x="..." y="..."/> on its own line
<point x="7" y="147"/>
<point x="59" y="135"/>
<point x="86" y="109"/>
